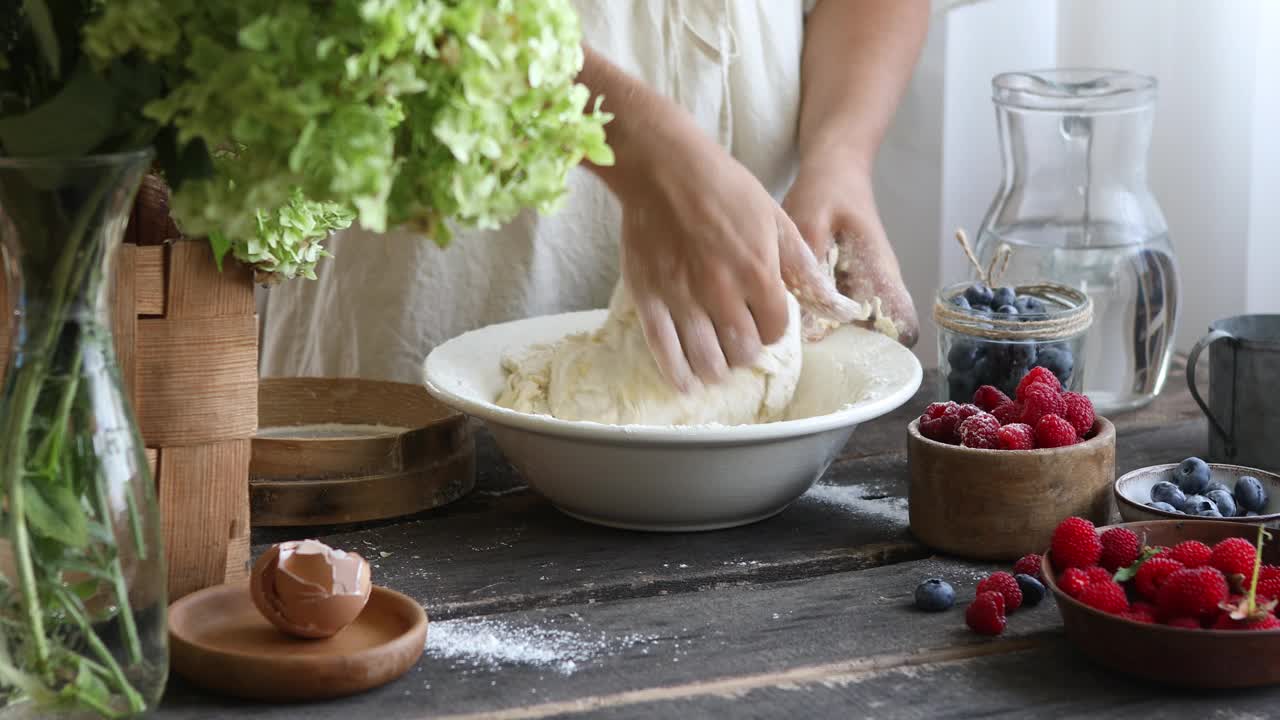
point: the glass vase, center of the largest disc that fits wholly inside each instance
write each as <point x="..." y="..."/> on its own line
<point x="82" y="593"/>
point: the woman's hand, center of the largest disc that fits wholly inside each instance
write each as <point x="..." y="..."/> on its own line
<point x="707" y="254"/>
<point x="836" y="205"/>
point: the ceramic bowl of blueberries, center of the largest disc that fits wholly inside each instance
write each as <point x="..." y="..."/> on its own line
<point x="995" y="336"/>
<point x="1196" y="489"/>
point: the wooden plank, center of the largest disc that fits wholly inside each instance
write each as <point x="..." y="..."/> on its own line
<point x="124" y="318"/>
<point x="198" y="289"/>
<point x="713" y="642"/>
<point x="204" y="500"/>
<point x="197" y="379"/>
<point x="149" y="286"/>
<point x="1048" y="680"/>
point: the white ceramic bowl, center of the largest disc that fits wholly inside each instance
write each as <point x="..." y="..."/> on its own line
<point x="1133" y="492"/>
<point x="675" y="478"/>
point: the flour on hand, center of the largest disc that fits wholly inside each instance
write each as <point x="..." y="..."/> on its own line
<point x="609" y="376"/>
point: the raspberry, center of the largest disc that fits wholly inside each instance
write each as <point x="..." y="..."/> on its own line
<point x="1073" y="581"/>
<point x="1268" y="572"/>
<point x="1008" y="412"/>
<point x="1039" y="400"/>
<point x="1052" y="431"/>
<point x="1152" y="574"/>
<point x="1120" y="548"/>
<point x="1097" y="575"/>
<point x="980" y="431"/>
<point x="1038" y="375"/>
<point x="1139" y="616"/>
<point x="1266" y="621"/>
<point x="989" y="398"/>
<point x="1075" y="544"/>
<point x="1268" y="589"/>
<point x="985" y="615"/>
<point x="1028" y="565"/>
<point x="1191" y="553"/>
<point x="1106" y="596"/>
<point x="1006" y="585"/>
<point x="1193" y="591"/>
<point x="939" y="422"/>
<point x="1078" y="412"/>
<point x="1189" y="623"/>
<point x="1234" y="556"/>
<point x="1016" y="437"/>
<point x="1142" y="606"/>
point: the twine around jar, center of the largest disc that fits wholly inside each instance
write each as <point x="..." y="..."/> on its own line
<point x="1072" y="315"/>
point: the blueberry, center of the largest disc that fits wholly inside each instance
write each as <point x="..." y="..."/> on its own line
<point x="1006" y="311"/>
<point x="1029" y="305"/>
<point x="1251" y="514"/>
<point x="1032" y="590"/>
<point x="935" y="595"/>
<point x="1166" y="492"/>
<point x="961" y="387"/>
<point x="962" y="355"/>
<point x="1250" y="495"/>
<point x="1192" y="476"/>
<point x="1057" y="360"/>
<point x="1210" y="513"/>
<point x="1197" y="504"/>
<point x="1003" y="296"/>
<point x="1215" y="485"/>
<point x="1164" y="506"/>
<point x="986" y="371"/>
<point x="960" y="302"/>
<point x="1226" y="504"/>
<point x="978" y="294"/>
<point x="1022" y="355"/>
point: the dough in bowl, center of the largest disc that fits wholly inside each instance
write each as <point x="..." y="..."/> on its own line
<point x="609" y="376"/>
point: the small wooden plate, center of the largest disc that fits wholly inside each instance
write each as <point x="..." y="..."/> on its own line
<point x="342" y="450"/>
<point x="219" y="641"/>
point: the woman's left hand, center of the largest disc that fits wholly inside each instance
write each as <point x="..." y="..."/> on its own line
<point x="838" y="205"/>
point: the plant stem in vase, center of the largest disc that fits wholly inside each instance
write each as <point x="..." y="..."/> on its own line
<point x="82" y="592"/>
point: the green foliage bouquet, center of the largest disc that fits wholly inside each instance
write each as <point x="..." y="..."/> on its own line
<point x="276" y="123"/>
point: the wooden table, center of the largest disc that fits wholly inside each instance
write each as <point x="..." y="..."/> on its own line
<point x="806" y="615"/>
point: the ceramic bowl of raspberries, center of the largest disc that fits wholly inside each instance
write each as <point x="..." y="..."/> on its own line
<point x="1195" y="488"/>
<point x="991" y="479"/>
<point x="1189" y="603"/>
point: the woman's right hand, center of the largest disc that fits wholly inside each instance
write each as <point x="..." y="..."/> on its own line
<point x="707" y="254"/>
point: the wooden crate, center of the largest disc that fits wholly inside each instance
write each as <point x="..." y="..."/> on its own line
<point x="187" y="342"/>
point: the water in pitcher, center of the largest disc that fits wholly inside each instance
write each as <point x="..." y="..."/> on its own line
<point x="1133" y="280"/>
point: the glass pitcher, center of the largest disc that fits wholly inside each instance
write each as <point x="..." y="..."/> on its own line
<point x="1075" y="208"/>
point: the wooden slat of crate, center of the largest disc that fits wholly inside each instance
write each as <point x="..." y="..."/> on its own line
<point x="204" y="500"/>
<point x="188" y="394"/>
<point x="197" y="289"/>
<point x="149" y="286"/>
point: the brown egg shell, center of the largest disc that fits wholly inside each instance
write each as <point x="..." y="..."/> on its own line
<point x="297" y="599"/>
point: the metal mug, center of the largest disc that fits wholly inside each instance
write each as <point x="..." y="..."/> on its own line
<point x="1244" y="366"/>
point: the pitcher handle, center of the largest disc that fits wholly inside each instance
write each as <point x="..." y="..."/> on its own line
<point x="1200" y="346"/>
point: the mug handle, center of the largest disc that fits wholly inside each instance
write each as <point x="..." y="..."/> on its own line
<point x="1200" y="346"/>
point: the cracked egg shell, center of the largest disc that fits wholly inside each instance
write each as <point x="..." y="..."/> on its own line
<point x="308" y="589"/>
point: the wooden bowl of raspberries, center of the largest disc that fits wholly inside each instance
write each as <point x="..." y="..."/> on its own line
<point x="1189" y="603"/>
<point x="991" y="480"/>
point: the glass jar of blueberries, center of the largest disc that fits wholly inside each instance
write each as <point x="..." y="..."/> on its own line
<point x="995" y="336"/>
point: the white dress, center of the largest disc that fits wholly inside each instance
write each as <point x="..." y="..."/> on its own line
<point x="382" y="302"/>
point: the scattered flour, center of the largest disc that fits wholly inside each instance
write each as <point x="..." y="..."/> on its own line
<point x="489" y="644"/>
<point x="854" y="499"/>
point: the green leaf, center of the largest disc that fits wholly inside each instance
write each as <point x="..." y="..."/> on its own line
<point x="55" y="512"/>
<point x="73" y="122"/>
<point x="46" y="37"/>
<point x="1126" y="574"/>
<point x="221" y="246"/>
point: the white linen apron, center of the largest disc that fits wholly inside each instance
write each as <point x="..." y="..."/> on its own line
<point x="383" y="301"/>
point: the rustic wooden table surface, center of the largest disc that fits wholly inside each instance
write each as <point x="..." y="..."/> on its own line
<point x="805" y="615"/>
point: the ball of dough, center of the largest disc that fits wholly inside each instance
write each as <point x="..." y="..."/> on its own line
<point x="609" y="376"/>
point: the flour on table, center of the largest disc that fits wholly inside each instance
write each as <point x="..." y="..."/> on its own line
<point x="491" y="644"/>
